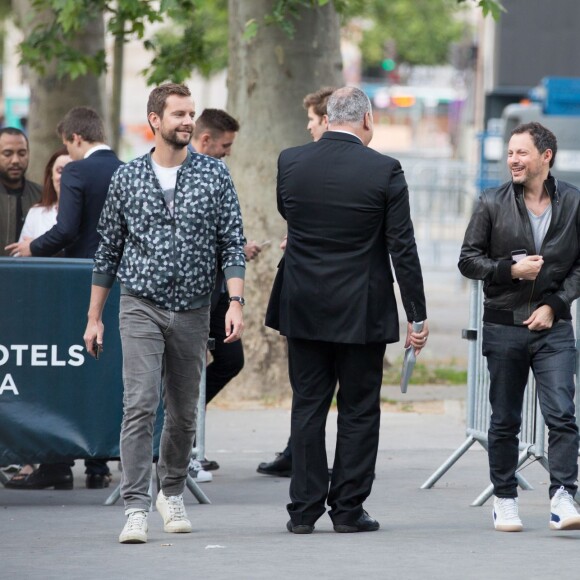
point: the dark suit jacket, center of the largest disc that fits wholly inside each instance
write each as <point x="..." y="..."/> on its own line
<point x="347" y="209"/>
<point x="83" y="188"/>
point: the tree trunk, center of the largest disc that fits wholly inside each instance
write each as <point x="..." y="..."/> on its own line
<point x="268" y="77"/>
<point x="51" y="97"/>
<point x="117" y="89"/>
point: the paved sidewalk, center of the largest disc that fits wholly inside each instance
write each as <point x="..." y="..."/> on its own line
<point x="424" y="533"/>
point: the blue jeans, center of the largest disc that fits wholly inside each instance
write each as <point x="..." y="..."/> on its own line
<point x="511" y="351"/>
<point x="159" y="346"/>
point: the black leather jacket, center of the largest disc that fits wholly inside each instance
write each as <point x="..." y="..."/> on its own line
<point x="500" y="225"/>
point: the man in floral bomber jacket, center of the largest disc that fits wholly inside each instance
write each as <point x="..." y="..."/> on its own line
<point x="169" y="216"/>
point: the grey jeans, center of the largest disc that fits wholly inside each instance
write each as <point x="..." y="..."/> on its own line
<point x="160" y="347"/>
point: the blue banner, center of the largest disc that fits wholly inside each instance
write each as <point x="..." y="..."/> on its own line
<point x="56" y="401"/>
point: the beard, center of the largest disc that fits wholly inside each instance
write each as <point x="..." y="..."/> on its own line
<point x="12" y="179"/>
<point x="176" y="139"/>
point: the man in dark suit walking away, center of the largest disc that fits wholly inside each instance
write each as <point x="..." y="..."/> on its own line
<point x="347" y="210"/>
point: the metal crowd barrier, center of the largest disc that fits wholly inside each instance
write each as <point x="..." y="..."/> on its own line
<point x="478" y="412"/>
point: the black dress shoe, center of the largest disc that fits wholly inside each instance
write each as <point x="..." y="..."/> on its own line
<point x="281" y="466"/>
<point x="98" y="480"/>
<point x="364" y="524"/>
<point x="209" y="465"/>
<point x="45" y="477"/>
<point x="17" y="480"/>
<point x="299" y="528"/>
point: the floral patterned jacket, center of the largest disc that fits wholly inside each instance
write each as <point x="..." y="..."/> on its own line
<point x="170" y="259"/>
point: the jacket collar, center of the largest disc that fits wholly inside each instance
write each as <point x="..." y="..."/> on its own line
<point x="188" y="157"/>
<point x="341" y="136"/>
<point x="551" y="184"/>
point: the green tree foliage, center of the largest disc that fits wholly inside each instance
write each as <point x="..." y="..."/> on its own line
<point x="195" y="39"/>
<point x="493" y="7"/>
<point x="418" y="32"/>
<point x="284" y="14"/>
<point x="197" y="36"/>
<point x="5" y="9"/>
<point x="413" y="31"/>
<point x="196" y="33"/>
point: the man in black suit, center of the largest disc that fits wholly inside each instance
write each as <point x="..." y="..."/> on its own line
<point x="83" y="189"/>
<point x="347" y="211"/>
<point x="84" y="185"/>
<point x="315" y="105"/>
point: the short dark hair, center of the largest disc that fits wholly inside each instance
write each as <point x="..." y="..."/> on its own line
<point x="215" y="122"/>
<point x="83" y="121"/>
<point x="318" y="99"/>
<point x="14" y="131"/>
<point x="542" y="137"/>
<point x="158" y="98"/>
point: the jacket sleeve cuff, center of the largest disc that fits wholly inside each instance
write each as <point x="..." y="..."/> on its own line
<point x="103" y="280"/>
<point x="33" y="248"/>
<point x="557" y="305"/>
<point x="235" y="272"/>
<point x="504" y="272"/>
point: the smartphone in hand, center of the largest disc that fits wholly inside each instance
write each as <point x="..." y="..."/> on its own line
<point x="97" y="349"/>
<point x="518" y="255"/>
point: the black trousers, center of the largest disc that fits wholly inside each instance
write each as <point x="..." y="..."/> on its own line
<point x="314" y="368"/>
<point x="228" y="358"/>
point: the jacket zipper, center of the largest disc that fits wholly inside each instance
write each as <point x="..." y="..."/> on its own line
<point x="173" y="228"/>
<point x="173" y="298"/>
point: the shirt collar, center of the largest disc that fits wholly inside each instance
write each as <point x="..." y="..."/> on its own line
<point x="101" y="147"/>
<point x="347" y="132"/>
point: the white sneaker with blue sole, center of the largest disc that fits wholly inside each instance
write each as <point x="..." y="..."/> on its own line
<point x="505" y="515"/>
<point x="563" y="513"/>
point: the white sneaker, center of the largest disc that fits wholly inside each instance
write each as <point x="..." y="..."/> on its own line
<point x="135" y="530"/>
<point x="198" y="473"/>
<point x="564" y="515"/>
<point x="173" y="513"/>
<point x="505" y="515"/>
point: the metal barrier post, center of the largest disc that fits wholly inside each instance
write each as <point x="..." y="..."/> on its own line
<point x="449" y="462"/>
<point x="114" y="496"/>
<point x="472" y="335"/>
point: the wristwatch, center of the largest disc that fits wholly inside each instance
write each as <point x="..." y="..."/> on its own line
<point x="239" y="299"/>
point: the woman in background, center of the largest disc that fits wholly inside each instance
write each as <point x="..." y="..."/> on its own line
<point x="41" y="217"/>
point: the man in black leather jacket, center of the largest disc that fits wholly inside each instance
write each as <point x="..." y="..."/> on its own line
<point x="523" y="242"/>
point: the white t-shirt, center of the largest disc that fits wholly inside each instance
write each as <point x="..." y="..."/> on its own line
<point x="39" y="220"/>
<point x="167" y="177"/>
